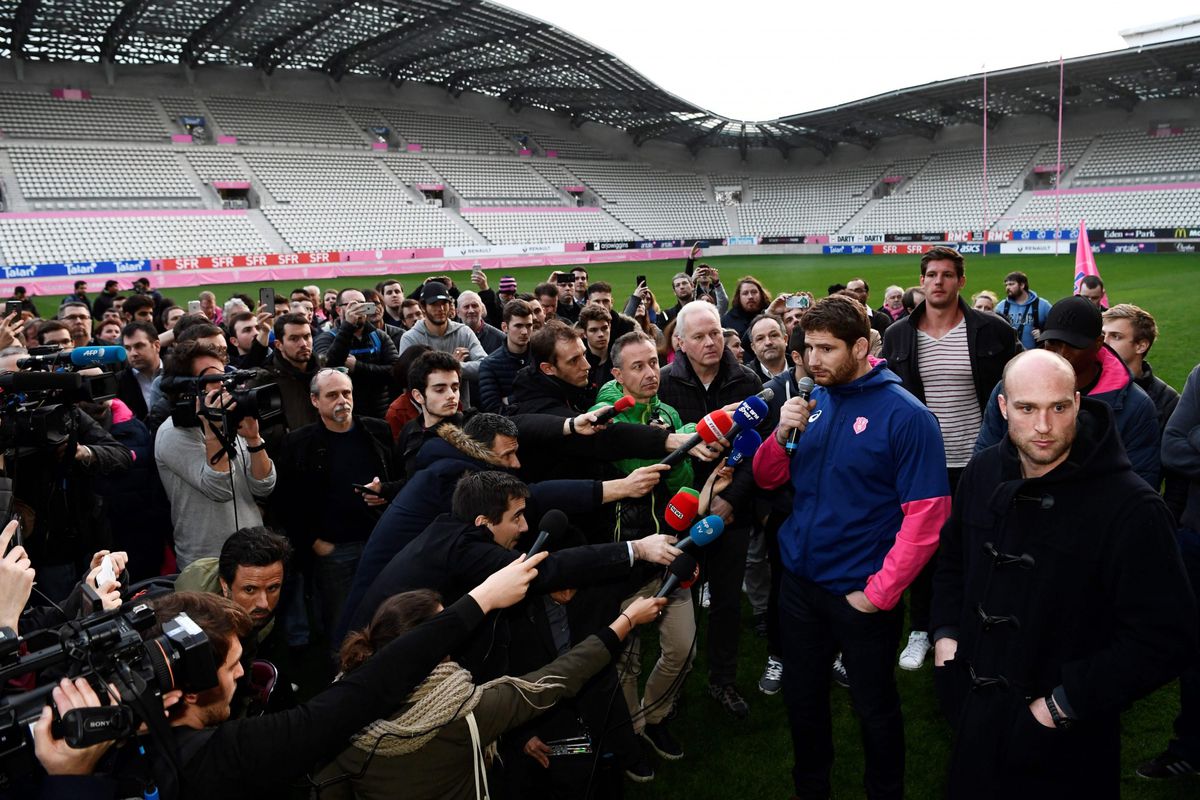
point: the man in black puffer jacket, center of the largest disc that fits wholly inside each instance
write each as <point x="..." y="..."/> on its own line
<point x="704" y="377"/>
<point x="1060" y="597"/>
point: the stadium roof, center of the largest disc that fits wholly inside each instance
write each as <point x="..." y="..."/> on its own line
<point x="470" y="45"/>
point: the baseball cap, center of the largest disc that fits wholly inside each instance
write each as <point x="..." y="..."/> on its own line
<point x="1073" y="320"/>
<point x="508" y="284"/>
<point x="434" y="292"/>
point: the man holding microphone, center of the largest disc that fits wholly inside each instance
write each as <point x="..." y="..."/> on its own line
<point x="869" y="473"/>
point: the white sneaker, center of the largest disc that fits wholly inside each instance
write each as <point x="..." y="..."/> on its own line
<point x="772" y="678"/>
<point x="705" y="600"/>
<point x="913" y="655"/>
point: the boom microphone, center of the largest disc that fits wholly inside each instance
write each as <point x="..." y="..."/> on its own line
<point x="624" y="404"/>
<point x="680" y="573"/>
<point x="744" y="446"/>
<point x="712" y="427"/>
<point x="681" y="509"/>
<point x="79" y="357"/>
<point x="703" y="532"/>
<point x="553" y="523"/>
<point x="793" y="441"/>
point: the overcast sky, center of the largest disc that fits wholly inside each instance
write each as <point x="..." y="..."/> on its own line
<point x="758" y="59"/>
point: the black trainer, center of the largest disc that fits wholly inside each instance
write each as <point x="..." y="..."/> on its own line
<point x="1166" y="765"/>
<point x="663" y="742"/>
<point x="729" y="699"/>
<point x="639" y="769"/>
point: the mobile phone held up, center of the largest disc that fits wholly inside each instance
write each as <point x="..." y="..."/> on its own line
<point x="266" y="300"/>
<point x="193" y="306"/>
<point x="12" y="307"/>
<point x="641" y="281"/>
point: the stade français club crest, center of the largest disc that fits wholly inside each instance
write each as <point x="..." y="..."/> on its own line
<point x="860" y="425"/>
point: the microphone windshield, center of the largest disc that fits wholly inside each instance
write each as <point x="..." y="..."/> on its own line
<point x="624" y="404"/>
<point x="554" y="522"/>
<point x="706" y="530"/>
<point x="97" y="356"/>
<point x="681" y="510"/>
<point x="745" y="445"/>
<point x="683" y="568"/>
<point x="750" y="413"/>
<point x="714" y="426"/>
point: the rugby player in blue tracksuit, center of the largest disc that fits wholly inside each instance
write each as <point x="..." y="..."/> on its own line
<point x="869" y="474"/>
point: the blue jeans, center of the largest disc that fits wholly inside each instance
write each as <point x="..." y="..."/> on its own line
<point x="334" y="575"/>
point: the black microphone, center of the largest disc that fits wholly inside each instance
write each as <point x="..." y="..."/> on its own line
<point x="680" y="573"/>
<point x="793" y="441"/>
<point x="553" y="523"/>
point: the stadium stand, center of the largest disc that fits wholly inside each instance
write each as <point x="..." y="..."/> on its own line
<point x="304" y="177"/>
<point x="548" y="225"/>
<point x="365" y="225"/>
<point x="494" y="181"/>
<point x="446" y="133"/>
<point x="1116" y="209"/>
<point x="100" y="176"/>
<point x="40" y="116"/>
<point x="1123" y="157"/>
<point x="54" y="239"/>
<point x="259" y="121"/>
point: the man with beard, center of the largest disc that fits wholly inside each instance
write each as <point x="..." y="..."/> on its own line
<point x="1024" y="310"/>
<point x="291" y="366"/>
<point x="749" y="300"/>
<point x="249" y="572"/>
<point x="321" y="466"/>
<point x="441" y="333"/>
<point x="435" y="384"/>
<point x="869" y="476"/>
<point x="949" y="357"/>
<point x="1059" y="599"/>
<point x="769" y="342"/>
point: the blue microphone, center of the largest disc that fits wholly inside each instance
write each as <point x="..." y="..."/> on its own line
<point x="703" y="532"/>
<point x="751" y="413"/>
<point x="744" y="446"/>
<point x="97" y="356"/>
<point x="82" y="357"/>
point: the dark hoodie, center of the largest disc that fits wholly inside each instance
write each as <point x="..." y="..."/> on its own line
<point x="1134" y="411"/>
<point x="535" y="392"/>
<point x="1099" y="613"/>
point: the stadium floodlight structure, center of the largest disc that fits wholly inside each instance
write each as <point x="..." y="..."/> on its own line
<point x="475" y="46"/>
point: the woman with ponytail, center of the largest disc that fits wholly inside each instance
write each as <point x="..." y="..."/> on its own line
<point x="442" y="741"/>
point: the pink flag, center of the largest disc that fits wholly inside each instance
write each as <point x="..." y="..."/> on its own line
<point x="1085" y="262"/>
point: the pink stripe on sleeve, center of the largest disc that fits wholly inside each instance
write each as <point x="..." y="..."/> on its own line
<point x="915" y="544"/>
<point x="772" y="468"/>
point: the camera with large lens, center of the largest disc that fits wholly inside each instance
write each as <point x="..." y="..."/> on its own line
<point x="107" y="649"/>
<point x="37" y="403"/>
<point x="263" y="403"/>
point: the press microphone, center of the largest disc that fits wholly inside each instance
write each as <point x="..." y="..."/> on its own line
<point x="793" y="441"/>
<point x="624" y="404"/>
<point x="751" y="413"/>
<point x="712" y="427"/>
<point x="553" y="523"/>
<point x="680" y="573"/>
<point x="681" y="509"/>
<point x="744" y="446"/>
<point x="703" y="532"/>
<point x="79" y="357"/>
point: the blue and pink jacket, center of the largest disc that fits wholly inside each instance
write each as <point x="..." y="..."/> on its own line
<point x="871" y="489"/>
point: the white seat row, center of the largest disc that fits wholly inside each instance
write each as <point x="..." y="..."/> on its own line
<point x="540" y="227"/>
<point x="76" y="172"/>
<point x="40" y="116"/>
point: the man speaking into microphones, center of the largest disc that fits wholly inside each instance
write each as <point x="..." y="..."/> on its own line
<point x="871" y="495"/>
<point x="669" y="508"/>
<point x="703" y="379"/>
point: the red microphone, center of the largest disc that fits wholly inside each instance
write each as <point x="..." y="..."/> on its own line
<point x="624" y="404"/>
<point x="708" y="430"/>
<point x="682" y="509"/>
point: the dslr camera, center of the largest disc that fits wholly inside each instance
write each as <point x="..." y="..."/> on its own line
<point x="263" y="403"/>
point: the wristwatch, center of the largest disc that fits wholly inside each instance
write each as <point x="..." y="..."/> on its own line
<point x="1060" y="719"/>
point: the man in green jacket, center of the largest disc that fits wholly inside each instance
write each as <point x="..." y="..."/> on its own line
<point x="635" y="372"/>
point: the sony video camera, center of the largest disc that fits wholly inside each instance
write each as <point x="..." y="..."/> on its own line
<point x="106" y="648"/>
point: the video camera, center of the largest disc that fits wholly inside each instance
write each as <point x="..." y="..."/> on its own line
<point x="263" y="403"/>
<point x="37" y="404"/>
<point x="105" y="648"/>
